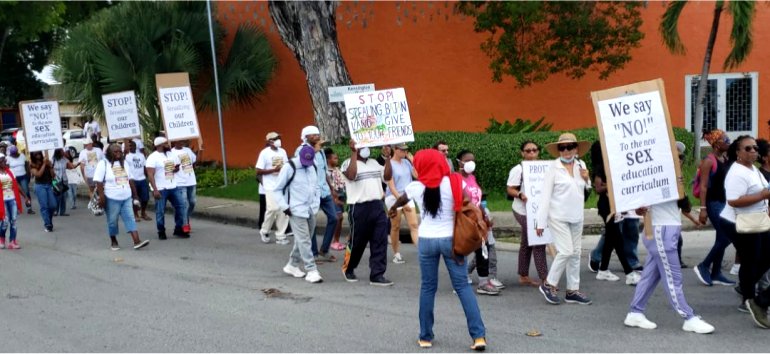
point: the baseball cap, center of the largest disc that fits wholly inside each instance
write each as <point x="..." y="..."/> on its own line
<point x="159" y="140"/>
<point x="401" y="146"/>
<point x="306" y="155"/>
<point x="272" y="136"/>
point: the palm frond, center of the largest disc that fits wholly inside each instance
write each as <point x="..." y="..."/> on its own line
<point x="669" y="26"/>
<point x="740" y="36"/>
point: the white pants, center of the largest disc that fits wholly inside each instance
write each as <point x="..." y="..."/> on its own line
<point x="568" y="241"/>
<point x="274" y="214"/>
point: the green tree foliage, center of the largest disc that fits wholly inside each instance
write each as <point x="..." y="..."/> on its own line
<point x="123" y="47"/>
<point x="519" y="126"/>
<point x="530" y="40"/>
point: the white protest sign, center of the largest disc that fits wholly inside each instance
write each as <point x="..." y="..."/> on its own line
<point x="74" y="176"/>
<point x="532" y="179"/>
<point x="121" y="115"/>
<point x="177" y="107"/>
<point x="379" y="118"/>
<point x="337" y="93"/>
<point x="42" y="125"/>
<point x="637" y="140"/>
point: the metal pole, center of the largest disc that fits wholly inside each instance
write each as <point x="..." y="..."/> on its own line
<point x="216" y="87"/>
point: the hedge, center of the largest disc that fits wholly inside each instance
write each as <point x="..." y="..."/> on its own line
<point x="496" y="154"/>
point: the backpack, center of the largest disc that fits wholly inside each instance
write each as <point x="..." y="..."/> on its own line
<point x="470" y="230"/>
<point x="291" y="178"/>
<point x="696" y="180"/>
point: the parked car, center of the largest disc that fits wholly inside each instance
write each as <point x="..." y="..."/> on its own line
<point x="17" y="134"/>
<point x="76" y="139"/>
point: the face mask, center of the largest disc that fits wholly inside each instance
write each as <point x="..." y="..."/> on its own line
<point x="569" y="160"/>
<point x="364" y="152"/>
<point x="469" y="167"/>
<point x="277" y="143"/>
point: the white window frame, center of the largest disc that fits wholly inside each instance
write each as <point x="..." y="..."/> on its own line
<point x="721" y="102"/>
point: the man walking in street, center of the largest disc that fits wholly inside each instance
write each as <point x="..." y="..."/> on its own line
<point x="185" y="178"/>
<point x="368" y="222"/>
<point x="269" y="163"/>
<point x="297" y="194"/>
<point x="161" y="166"/>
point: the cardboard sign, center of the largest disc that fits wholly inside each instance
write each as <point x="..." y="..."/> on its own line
<point x="379" y="118"/>
<point x="121" y="115"/>
<point x="177" y="107"/>
<point x="42" y="125"/>
<point x="532" y="179"/>
<point x="638" y="145"/>
<point x="337" y="93"/>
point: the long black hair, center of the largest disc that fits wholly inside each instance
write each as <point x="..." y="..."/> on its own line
<point x="732" y="151"/>
<point x="431" y="200"/>
<point x="111" y="158"/>
<point x="764" y="148"/>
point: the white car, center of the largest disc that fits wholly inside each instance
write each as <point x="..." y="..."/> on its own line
<point x="76" y="139"/>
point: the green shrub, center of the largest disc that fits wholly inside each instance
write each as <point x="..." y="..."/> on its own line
<point x="214" y="176"/>
<point x="518" y="127"/>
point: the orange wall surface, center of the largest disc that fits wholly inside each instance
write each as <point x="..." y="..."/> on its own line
<point x="435" y="55"/>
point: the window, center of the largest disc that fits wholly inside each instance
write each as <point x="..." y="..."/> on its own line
<point x="731" y="103"/>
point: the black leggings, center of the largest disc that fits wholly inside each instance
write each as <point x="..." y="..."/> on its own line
<point x="482" y="264"/>
<point x="613" y="239"/>
<point x="753" y="249"/>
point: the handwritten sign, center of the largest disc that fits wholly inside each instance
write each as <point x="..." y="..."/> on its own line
<point x="42" y="125"/>
<point x="532" y="179"/>
<point x="337" y="93"/>
<point x="638" y="145"/>
<point x="177" y="107"/>
<point x="121" y="115"/>
<point x="379" y="118"/>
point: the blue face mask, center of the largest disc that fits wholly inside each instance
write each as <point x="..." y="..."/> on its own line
<point x="569" y="160"/>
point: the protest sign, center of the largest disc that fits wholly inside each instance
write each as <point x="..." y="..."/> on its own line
<point x="379" y="117"/>
<point x="74" y="176"/>
<point x="42" y="125"/>
<point x="177" y="107"/>
<point x="121" y="115"/>
<point x="532" y="179"/>
<point x="337" y="93"/>
<point x="638" y="145"/>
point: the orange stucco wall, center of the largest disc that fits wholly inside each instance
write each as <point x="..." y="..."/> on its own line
<point x="434" y="54"/>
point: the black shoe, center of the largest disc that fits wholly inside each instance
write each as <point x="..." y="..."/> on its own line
<point x="350" y="277"/>
<point x="162" y="235"/>
<point x="639" y="268"/>
<point x="683" y="266"/>
<point x="593" y="265"/>
<point x="30" y="211"/>
<point x="181" y="234"/>
<point x="380" y="281"/>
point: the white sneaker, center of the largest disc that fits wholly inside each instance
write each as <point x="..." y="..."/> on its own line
<point x="633" y="278"/>
<point x="294" y="271"/>
<point x="314" y="276"/>
<point x="635" y="319"/>
<point x="496" y="283"/>
<point x="470" y="281"/>
<point x="397" y="259"/>
<point x="697" y="325"/>
<point x="282" y="242"/>
<point x="265" y="236"/>
<point x="735" y="269"/>
<point x="606" y="275"/>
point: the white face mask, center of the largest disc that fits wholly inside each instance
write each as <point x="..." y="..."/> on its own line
<point x="364" y="152"/>
<point x="277" y="143"/>
<point x="469" y="167"/>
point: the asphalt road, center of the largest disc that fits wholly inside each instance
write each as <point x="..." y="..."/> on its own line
<point x="67" y="292"/>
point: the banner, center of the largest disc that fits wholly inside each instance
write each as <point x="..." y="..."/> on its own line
<point x="177" y="107"/>
<point x="337" y="93"/>
<point x="638" y="145"/>
<point x="121" y="114"/>
<point x="532" y="179"/>
<point x="379" y="118"/>
<point x="42" y="125"/>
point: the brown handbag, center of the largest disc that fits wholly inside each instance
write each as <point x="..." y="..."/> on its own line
<point x="470" y="230"/>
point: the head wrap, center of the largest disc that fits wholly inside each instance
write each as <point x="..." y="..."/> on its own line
<point x="714" y="136"/>
<point x="309" y="130"/>
<point x="431" y="167"/>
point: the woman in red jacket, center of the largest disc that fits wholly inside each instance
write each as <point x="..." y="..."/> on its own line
<point x="11" y="205"/>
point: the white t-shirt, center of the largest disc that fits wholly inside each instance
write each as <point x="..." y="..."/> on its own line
<point x="268" y="159"/>
<point x="7" y="184"/>
<point x="515" y="177"/>
<point x="666" y="213"/>
<point x="137" y="161"/>
<point x="444" y="222"/>
<point x="739" y="181"/>
<point x="368" y="184"/>
<point x="163" y="163"/>
<point x="16" y="164"/>
<point x="186" y="175"/>
<point x="115" y="179"/>
<point x="89" y="159"/>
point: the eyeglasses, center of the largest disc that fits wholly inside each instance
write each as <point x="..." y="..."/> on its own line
<point x="750" y="148"/>
<point x="567" y="147"/>
<point x="530" y="150"/>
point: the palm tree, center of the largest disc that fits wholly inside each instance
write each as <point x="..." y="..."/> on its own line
<point x="123" y="47"/>
<point x="740" y="40"/>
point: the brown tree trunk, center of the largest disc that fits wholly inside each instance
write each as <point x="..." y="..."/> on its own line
<point x="703" y="84"/>
<point x="308" y="29"/>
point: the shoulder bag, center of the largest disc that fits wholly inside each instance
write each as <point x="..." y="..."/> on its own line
<point x="470" y="230"/>
<point x="753" y="223"/>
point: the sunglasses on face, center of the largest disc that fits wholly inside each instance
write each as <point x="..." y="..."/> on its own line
<point x="531" y="150"/>
<point x="567" y="147"/>
<point x="750" y="148"/>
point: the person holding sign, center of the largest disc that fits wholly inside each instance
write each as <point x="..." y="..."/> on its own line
<point x="42" y="169"/>
<point x="185" y="177"/>
<point x="10" y="208"/>
<point x="88" y="159"/>
<point x="138" y="175"/>
<point x="561" y="210"/>
<point x="116" y="194"/>
<point x="161" y="167"/>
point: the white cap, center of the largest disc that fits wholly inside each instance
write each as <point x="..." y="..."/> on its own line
<point x="159" y="140"/>
<point x="309" y="130"/>
<point x="2" y="156"/>
<point x="680" y="147"/>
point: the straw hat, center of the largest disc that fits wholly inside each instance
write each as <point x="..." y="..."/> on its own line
<point x="567" y="138"/>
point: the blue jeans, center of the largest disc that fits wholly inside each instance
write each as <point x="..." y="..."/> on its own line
<point x="327" y="205"/>
<point x="11" y="213"/>
<point x="430" y="251"/>
<point x="61" y="203"/>
<point x="47" y="201"/>
<point x="142" y="191"/>
<point x="713" y="260"/>
<point x="24" y="186"/>
<point x="629" y="228"/>
<point x="73" y="194"/>
<point x="123" y="208"/>
<point x="180" y="212"/>
<point x="189" y="198"/>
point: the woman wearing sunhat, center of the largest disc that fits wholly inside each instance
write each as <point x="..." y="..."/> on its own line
<point x="561" y="211"/>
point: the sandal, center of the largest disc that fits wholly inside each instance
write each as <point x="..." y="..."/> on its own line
<point x="145" y="217"/>
<point x="424" y="344"/>
<point x="523" y="280"/>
